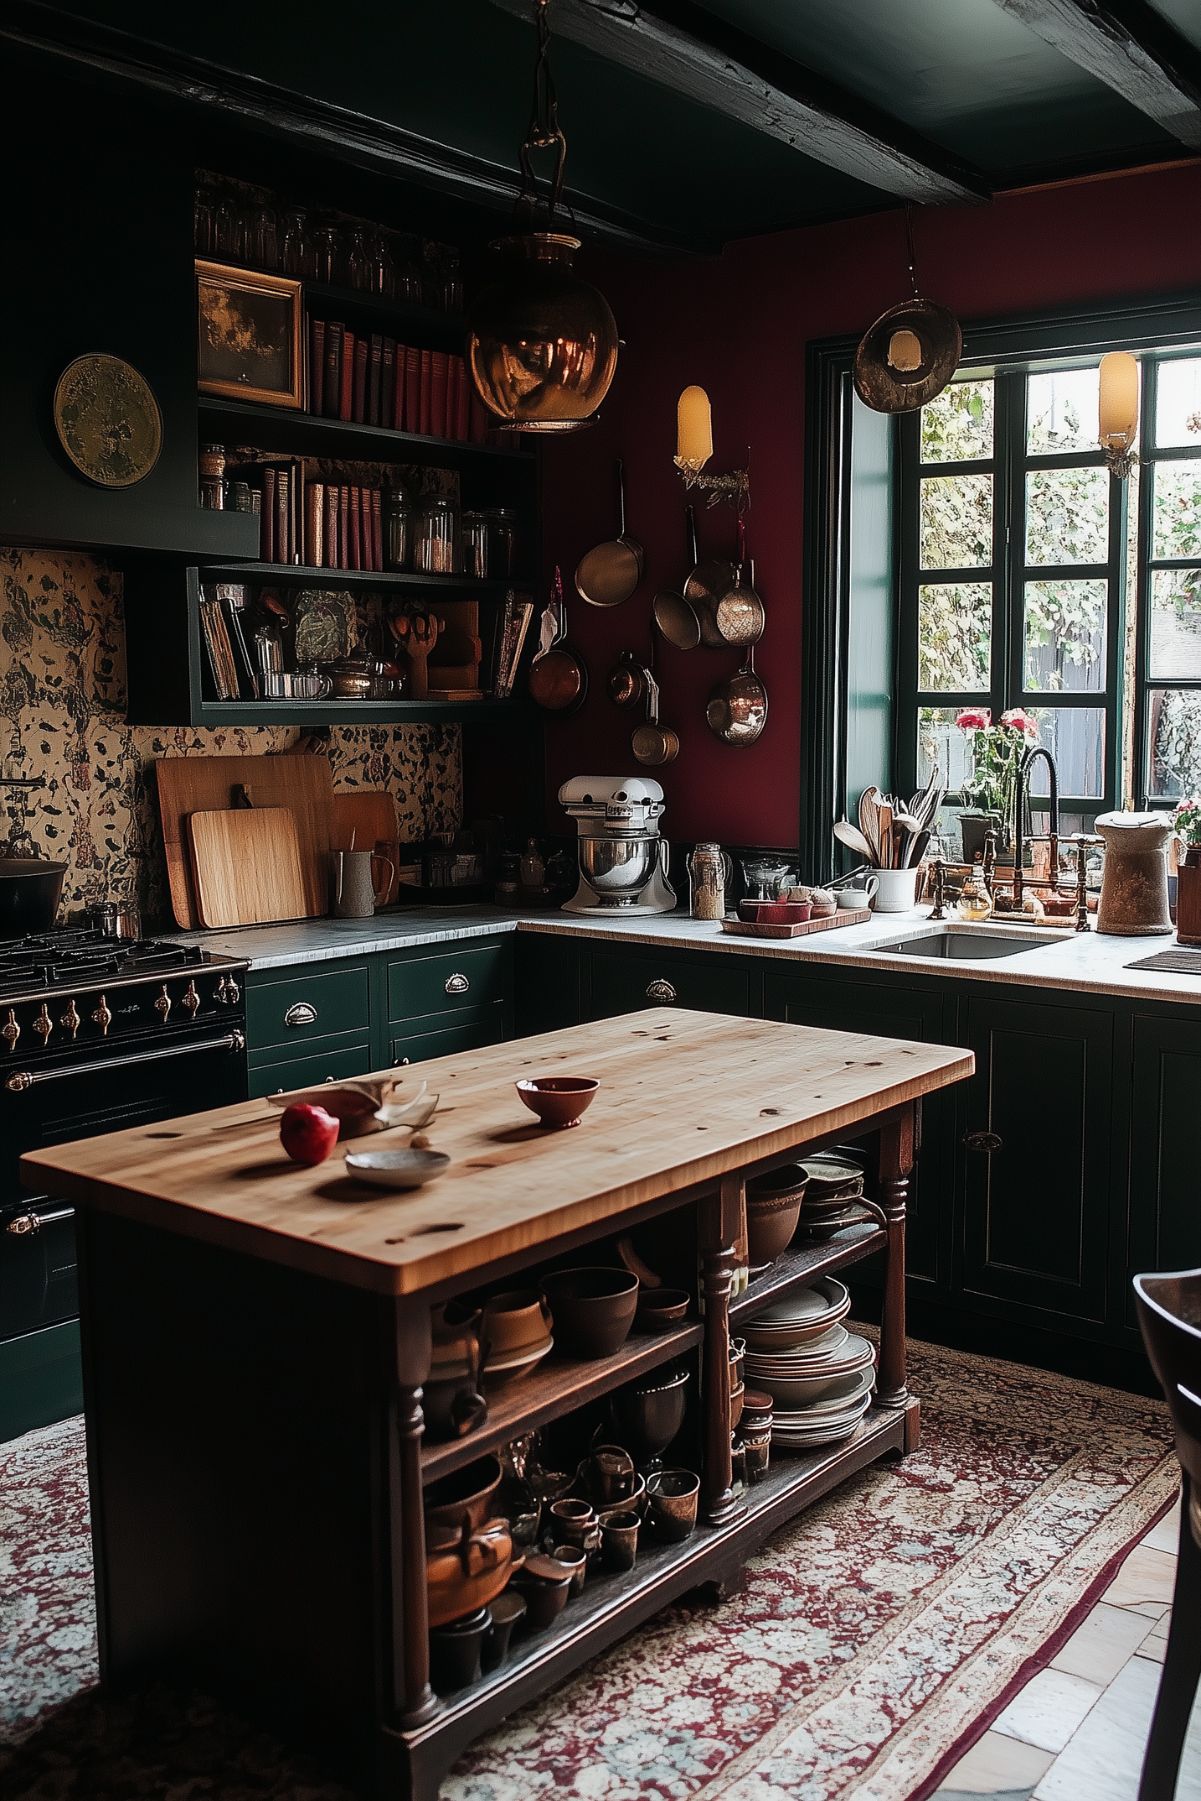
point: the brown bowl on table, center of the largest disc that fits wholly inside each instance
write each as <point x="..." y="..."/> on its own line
<point x="558" y="1101"/>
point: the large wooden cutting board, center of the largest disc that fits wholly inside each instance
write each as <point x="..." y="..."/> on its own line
<point x="368" y="816"/>
<point x="246" y="866"/>
<point x="206" y="784"/>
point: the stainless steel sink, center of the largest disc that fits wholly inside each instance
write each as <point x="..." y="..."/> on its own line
<point x="968" y="944"/>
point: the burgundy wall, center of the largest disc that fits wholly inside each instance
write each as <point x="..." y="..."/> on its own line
<point x="739" y="326"/>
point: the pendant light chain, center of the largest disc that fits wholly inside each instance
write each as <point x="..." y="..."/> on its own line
<point x="543" y="131"/>
<point x="912" y="253"/>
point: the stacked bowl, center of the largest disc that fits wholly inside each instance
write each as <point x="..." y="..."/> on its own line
<point x="820" y="1375"/>
<point x="516" y="1333"/>
<point x="833" y="1194"/>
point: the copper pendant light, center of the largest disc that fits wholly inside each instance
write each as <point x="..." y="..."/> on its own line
<point x="541" y="341"/>
<point x="911" y="352"/>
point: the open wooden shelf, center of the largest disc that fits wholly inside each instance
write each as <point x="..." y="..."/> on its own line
<point x="385" y="580"/>
<point x="355" y="712"/>
<point x="301" y="434"/>
<point x="556" y="1387"/>
<point x="610" y="1606"/>
<point x="803" y="1264"/>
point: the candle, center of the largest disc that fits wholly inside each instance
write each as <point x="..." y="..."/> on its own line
<point x="905" y="351"/>
<point x="694" y="429"/>
<point x="1117" y="405"/>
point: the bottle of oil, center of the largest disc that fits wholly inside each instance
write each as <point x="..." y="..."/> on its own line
<point x="975" y="902"/>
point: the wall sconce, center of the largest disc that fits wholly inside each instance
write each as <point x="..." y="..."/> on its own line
<point x="694" y="447"/>
<point x="1117" y="411"/>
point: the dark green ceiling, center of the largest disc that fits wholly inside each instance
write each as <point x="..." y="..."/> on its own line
<point x="977" y="85"/>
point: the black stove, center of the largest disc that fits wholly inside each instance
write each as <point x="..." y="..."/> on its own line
<point x="97" y="1033"/>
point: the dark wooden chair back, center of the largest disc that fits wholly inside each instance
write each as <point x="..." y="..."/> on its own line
<point x="1169" y="1312"/>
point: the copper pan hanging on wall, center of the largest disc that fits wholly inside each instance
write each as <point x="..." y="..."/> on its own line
<point x="910" y="353"/>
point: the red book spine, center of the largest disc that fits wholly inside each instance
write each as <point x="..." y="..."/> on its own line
<point x="359" y="406"/>
<point x="387" y="382"/>
<point x="316" y="365"/>
<point x="330" y="547"/>
<point x="314" y="524"/>
<point x="332" y="386"/>
<point x="365" y="528"/>
<point x="343" y="527"/>
<point x="377" y="530"/>
<point x="283" y="513"/>
<point x="438" y="380"/>
<point x="398" y="396"/>
<point x="412" y="387"/>
<point x="267" y="518"/>
<point x="344" y="397"/>
<point x="462" y="399"/>
<point x="425" y="385"/>
<point x="356" y="526"/>
<point x="374" y="372"/>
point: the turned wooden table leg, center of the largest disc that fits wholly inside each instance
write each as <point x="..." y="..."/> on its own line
<point x="412" y="1697"/>
<point x="897" y="1140"/>
<point x="718" y="1260"/>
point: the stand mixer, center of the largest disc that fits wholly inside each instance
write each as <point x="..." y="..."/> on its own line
<point x="623" y="860"/>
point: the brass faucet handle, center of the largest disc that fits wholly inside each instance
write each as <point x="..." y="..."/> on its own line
<point x="938" y="879"/>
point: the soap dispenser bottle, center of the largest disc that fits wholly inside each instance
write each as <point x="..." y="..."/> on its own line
<point x="975" y="902"/>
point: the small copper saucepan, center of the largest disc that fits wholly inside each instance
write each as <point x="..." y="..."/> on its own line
<point x="652" y="743"/>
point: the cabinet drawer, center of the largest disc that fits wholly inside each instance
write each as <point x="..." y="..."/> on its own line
<point x="624" y="983"/>
<point x="347" y="1061"/>
<point x="298" y="1008"/>
<point x="440" y="1036"/>
<point x="467" y="975"/>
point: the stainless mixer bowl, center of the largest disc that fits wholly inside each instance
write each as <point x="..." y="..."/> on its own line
<point x="618" y="865"/>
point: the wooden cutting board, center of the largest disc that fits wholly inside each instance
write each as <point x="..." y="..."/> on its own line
<point x="368" y="816"/>
<point x="246" y="866"/>
<point x="304" y="784"/>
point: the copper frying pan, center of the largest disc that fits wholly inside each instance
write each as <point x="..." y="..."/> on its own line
<point x="609" y="574"/>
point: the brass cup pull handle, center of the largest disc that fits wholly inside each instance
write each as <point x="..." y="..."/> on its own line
<point x="988" y="1142"/>
<point x="662" y="991"/>
<point x="457" y="984"/>
<point x="300" y="1013"/>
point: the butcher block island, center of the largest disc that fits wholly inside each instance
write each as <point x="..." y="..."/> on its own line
<point x="257" y="1337"/>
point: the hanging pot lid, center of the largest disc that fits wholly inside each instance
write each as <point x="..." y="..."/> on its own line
<point x="908" y="356"/>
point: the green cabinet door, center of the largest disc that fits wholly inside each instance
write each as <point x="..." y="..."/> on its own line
<point x="1035" y="1154"/>
<point x="624" y="981"/>
<point x="889" y="1009"/>
<point x="440" y="1034"/>
<point x="547" y="991"/>
<point x="1164" y="1176"/>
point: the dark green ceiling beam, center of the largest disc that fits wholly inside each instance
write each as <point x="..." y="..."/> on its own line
<point x="699" y="56"/>
<point x="1131" y="48"/>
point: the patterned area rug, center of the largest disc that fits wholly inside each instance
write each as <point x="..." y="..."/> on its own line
<point x="872" y="1638"/>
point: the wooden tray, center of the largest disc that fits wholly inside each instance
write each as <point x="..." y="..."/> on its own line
<point x="746" y="928"/>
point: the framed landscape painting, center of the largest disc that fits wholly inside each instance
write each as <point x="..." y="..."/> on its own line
<point x="249" y="336"/>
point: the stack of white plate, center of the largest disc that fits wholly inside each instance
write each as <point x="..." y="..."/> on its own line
<point x="833" y="1194"/>
<point x="819" y="1375"/>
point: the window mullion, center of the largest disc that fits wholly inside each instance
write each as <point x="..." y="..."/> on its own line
<point x="1009" y="552"/>
<point x="1140" y="783"/>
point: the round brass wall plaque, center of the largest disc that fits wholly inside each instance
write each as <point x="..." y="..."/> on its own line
<point x="108" y="420"/>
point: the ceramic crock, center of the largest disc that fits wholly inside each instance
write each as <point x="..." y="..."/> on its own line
<point x="1134" y="881"/>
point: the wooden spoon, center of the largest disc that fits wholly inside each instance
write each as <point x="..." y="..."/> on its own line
<point x="854" y="840"/>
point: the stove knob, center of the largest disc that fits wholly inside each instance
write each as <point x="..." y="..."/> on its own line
<point x="162" y="1005"/>
<point x="102" y="1017"/>
<point x="10" y="1031"/>
<point x="43" y="1025"/>
<point x="70" y="1021"/>
<point x="25" y="1225"/>
<point x="228" y="992"/>
<point x="191" y="1000"/>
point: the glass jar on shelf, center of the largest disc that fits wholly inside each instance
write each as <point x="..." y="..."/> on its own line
<point x="502" y="542"/>
<point x="407" y="269"/>
<point x="225" y="226"/>
<point x="381" y="274"/>
<point x="202" y="221"/>
<point x="298" y="243"/>
<point x="358" y="263"/>
<point x="437" y="542"/>
<point x="399" y="524"/>
<point x="475" y="545"/>
<point x="265" y="252"/>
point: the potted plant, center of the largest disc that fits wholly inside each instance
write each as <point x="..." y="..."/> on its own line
<point x="1188" y="872"/>
<point x="989" y="791"/>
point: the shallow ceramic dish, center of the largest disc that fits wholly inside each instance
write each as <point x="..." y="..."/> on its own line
<point x="819" y="1395"/>
<point x="558" y="1101"/>
<point x="801" y="1318"/>
<point x="661" y="1308"/>
<point x="519" y="1363"/>
<point x="396" y="1169"/>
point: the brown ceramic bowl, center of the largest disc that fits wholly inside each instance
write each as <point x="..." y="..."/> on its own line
<point x="593" y="1308"/>
<point x="771" y="1221"/>
<point x="463" y="1496"/>
<point x="674" y="1497"/>
<point x="517" y="1320"/>
<point x="558" y="1100"/>
<point x="659" y="1309"/>
<point x="466" y="1575"/>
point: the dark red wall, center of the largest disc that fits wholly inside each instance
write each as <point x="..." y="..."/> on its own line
<point x="739" y="326"/>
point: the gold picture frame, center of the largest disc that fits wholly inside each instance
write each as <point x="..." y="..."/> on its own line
<point x="249" y="336"/>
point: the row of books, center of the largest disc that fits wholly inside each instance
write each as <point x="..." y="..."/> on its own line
<point x="320" y="524"/>
<point x="373" y="380"/>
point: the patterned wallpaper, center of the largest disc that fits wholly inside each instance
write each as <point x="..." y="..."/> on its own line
<point x="62" y="717"/>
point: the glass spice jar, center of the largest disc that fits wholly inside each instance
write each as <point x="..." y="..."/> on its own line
<point x="212" y="477"/>
<point x="476" y="547"/>
<point x="437" y="545"/>
<point x="709" y="869"/>
<point x="399" y="520"/>
<point x="502" y="542"/>
<point x="298" y="244"/>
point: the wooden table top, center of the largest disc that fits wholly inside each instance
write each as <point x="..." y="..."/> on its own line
<point x="684" y="1099"/>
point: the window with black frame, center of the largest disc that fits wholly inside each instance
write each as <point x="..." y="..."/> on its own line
<point x="1037" y="587"/>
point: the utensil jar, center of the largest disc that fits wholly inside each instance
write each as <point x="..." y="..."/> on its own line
<point x="709" y="869"/>
<point x="355" y="893"/>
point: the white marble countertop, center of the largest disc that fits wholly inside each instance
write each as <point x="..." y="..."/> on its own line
<point x="1086" y="962"/>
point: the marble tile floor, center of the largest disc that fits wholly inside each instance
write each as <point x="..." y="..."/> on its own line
<point x="1076" y="1731"/>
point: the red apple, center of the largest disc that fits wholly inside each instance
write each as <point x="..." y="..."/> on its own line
<point x="308" y="1133"/>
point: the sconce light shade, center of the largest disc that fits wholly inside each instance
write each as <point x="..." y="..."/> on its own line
<point x="541" y="341"/>
<point x="1118" y="400"/>
<point x="694" y="429"/>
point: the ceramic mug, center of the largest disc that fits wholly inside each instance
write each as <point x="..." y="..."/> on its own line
<point x="897" y="890"/>
<point x="853" y="896"/>
<point x="355" y="893"/>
